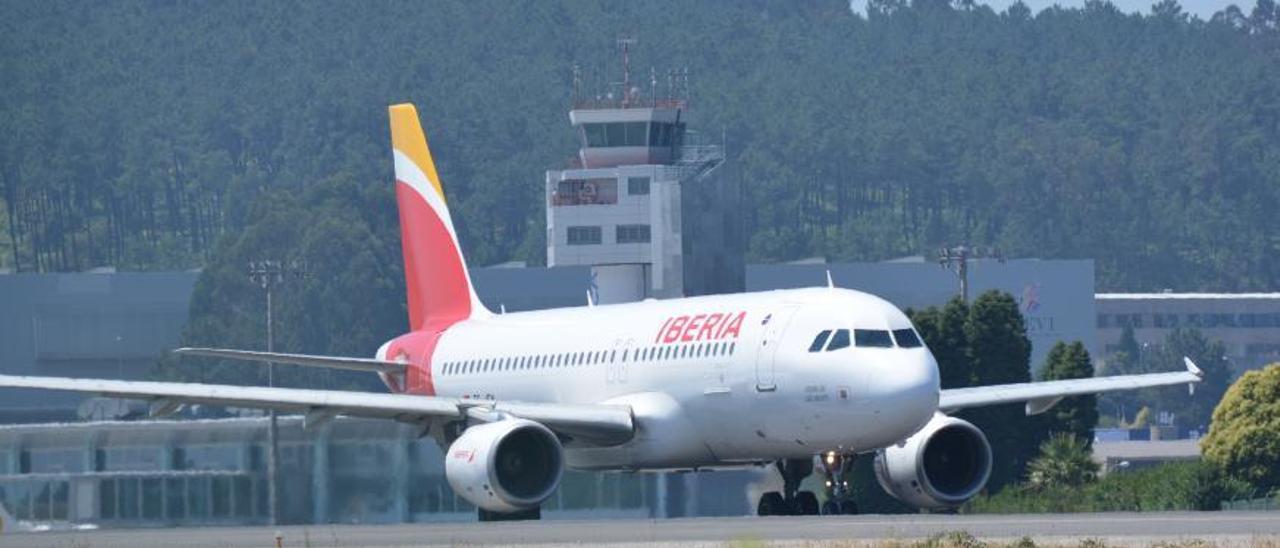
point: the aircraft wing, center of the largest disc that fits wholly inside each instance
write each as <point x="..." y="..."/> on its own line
<point x="329" y="362"/>
<point x="1041" y="396"/>
<point x="593" y="424"/>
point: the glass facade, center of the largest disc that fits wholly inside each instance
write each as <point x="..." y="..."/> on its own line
<point x="163" y="473"/>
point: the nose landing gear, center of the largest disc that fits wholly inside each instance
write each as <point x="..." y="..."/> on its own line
<point x="836" y="466"/>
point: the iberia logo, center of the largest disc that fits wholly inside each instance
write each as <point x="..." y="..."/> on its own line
<point x="701" y="327"/>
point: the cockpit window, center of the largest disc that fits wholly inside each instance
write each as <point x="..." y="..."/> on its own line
<point x="820" y="340"/>
<point x="907" y="338"/>
<point x="839" y="340"/>
<point x="874" y="338"/>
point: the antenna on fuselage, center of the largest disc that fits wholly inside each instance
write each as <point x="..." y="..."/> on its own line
<point x="591" y="301"/>
<point x="830" y="284"/>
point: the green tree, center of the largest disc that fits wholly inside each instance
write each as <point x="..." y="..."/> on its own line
<point x="1193" y="410"/>
<point x="351" y="300"/>
<point x="1064" y="461"/>
<point x="1244" y="437"/>
<point x="1076" y="415"/>
<point x="1124" y="361"/>
<point x="1000" y="353"/>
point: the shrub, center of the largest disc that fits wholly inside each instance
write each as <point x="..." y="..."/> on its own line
<point x="1244" y="437"/>
<point x="1173" y="486"/>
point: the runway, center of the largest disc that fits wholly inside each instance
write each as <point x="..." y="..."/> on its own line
<point x="1232" y="528"/>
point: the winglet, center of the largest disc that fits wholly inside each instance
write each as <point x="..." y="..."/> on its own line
<point x="1191" y="367"/>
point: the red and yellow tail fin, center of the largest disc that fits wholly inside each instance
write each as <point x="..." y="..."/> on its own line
<point x="439" y="287"/>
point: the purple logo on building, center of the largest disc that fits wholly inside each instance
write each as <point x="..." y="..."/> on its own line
<point x="1030" y="301"/>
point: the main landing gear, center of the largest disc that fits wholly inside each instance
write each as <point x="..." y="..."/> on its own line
<point x="530" y="514"/>
<point x="791" y="501"/>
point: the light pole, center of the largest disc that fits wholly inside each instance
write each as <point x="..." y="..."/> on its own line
<point x="267" y="274"/>
<point x="958" y="257"/>
<point x="119" y="357"/>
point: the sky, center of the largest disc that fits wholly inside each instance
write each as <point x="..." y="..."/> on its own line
<point x="1203" y="9"/>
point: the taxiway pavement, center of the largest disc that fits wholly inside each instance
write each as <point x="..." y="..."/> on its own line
<point x="1232" y="528"/>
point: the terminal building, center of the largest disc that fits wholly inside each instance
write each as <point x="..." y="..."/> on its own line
<point x="1248" y="324"/>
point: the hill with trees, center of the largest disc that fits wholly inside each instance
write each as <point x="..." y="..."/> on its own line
<point x="142" y="134"/>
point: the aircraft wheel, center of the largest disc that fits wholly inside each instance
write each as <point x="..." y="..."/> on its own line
<point x="530" y="514"/>
<point x="806" y="504"/>
<point x="771" y="504"/>
<point x="830" y="508"/>
<point x="848" y="508"/>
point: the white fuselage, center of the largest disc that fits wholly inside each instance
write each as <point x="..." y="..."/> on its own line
<point x="704" y="391"/>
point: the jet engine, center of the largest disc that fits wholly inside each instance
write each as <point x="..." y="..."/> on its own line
<point x="943" y="465"/>
<point x="505" y="466"/>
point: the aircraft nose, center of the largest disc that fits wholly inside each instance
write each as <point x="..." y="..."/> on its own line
<point x="908" y="382"/>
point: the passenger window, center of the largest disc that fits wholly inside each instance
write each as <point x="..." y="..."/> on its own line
<point x="872" y="338"/>
<point x="840" y="339"/>
<point x="821" y="339"/>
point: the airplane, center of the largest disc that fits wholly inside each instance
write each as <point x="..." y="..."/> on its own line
<point x="697" y="383"/>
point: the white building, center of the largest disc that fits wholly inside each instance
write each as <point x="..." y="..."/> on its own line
<point x="644" y="207"/>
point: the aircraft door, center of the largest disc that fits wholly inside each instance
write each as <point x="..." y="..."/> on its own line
<point x="774" y="326"/>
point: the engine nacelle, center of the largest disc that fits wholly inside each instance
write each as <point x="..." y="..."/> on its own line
<point x="943" y="465"/>
<point x="505" y="466"/>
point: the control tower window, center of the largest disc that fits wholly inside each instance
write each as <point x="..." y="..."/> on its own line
<point x="661" y="134"/>
<point x="571" y="192"/>
<point x="632" y="234"/>
<point x="595" y="135"/>
<point x="584" y="235"/>
<point x="616" y="134"/>
<point x="637" y="186"/>
<point x="637" y="134"/>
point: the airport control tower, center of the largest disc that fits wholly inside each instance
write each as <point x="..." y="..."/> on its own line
<point x="645" y="203"/>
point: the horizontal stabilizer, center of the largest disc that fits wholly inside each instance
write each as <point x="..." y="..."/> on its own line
<point x="305" y="360"/>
